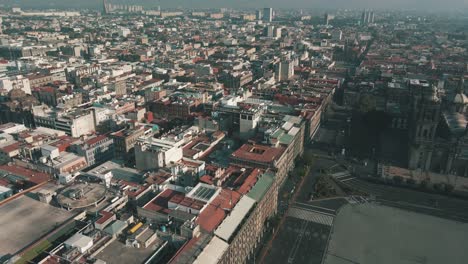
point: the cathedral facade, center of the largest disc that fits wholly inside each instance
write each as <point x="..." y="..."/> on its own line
<point x="438" y="131"/>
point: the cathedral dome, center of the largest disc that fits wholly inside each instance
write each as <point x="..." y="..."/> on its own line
<point x="460" y="98"/>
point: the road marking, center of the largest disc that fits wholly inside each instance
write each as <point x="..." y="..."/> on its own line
<point x="348" y="179"/>
<point x="297" y="242"/>
<point x="340" y="175"/>
<point x="353" y="199"/>
<point x="313" y="210"/>
<point x="410" y="204"/>
<point x="314" y="206"/>
<point x="311" y="216"/>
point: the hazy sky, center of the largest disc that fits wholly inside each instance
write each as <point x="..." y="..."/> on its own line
<point x="394" y="4"/>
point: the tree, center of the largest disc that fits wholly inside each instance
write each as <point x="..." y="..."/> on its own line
<point x="367" y="103"/>
<point x="449" y="188"/>
<point x="410" y="181"/>
<point x="398" y="180"/>
<point x="439" y="186"/>
<point x="423" y="184"/>
<point x="308" y="157"/>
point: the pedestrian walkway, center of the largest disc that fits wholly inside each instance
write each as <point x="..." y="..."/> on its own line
<point x="353" y="199"/>
<point x="311" y="215"/>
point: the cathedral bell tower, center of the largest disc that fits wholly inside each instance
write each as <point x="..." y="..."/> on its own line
<point x="424" y="118"/>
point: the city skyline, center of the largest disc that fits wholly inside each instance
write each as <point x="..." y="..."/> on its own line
<point x="235" y="132"/>
<point x="427" y="5"/>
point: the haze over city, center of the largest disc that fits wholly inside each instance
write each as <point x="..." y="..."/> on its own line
<point x="233" y="132"/>
<point x="429" y="5"/>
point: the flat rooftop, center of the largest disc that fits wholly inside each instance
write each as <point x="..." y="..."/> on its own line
<point x="91" y="193"/>
<point x="258" y="153"/>
<point x="117" y="252"/>
<point x="24" y="220"/>
<point x="371" y="233"/>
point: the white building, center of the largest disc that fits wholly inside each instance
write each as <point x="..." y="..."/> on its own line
<point x="124" y="32"/>
<point x="152" y="153"/>
<point x="278" y="32"/>
<point x="16" y="82"/>
<point x="80" y="242"/>
<point x="10" y="128"/>
<point x="248" y="122"/>
<point x="75" y="123"/>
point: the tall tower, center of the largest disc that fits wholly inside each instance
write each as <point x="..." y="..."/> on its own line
<point x="268" y="14"/>
<point x="105" y="9"/>
<point x="259" y="15"/>
<point x="364" y="18"/>
<point x="424" y="118"/>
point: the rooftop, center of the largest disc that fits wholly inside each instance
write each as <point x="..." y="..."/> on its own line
<point x="202" y="192"/>
<point x="25" y="174"/>
<point x="24" y="220"/>
<point x="215" y="212"/>
<point x="370" y="233"/>
<point x="262" y="185"/>
<point x="258" y="153"/>
<point x="213" y="252"/>
<point x="227" y="228"/>
<point x="160" y="202"/>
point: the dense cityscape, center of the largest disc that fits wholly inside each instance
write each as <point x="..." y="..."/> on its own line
<point x="131" y="134"/>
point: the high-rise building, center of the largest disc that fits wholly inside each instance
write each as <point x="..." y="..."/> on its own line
<point x="105" y="7"/>
<point x="268" y="14"/>
<point x="259" y="15"/>
<point x="269" y="31"/>
<point x="278" y="32"/>
<point x="326" y="19"/>
<point x="284" y="70"/>
<point x="368" y="17"/>
<point x="364" y="17"/>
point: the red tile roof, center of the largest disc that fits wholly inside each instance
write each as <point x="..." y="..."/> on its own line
<point x="158" y="177"/>
<point x="160" y="202"/>
<point x="215" y="212"/>
<point x="11" y="148"/>
<point x="104" y="217"/>
<point x="29" y="175"/>
<point x="63" y="143"/>
<point x="249" y="182"/>
<point x="207" y="179"/>
<point x="95" y="140"/>
<point x="258" y="153"/>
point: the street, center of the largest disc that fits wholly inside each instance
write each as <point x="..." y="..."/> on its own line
<point x="419" y="201"/>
